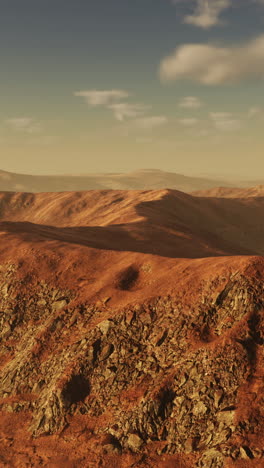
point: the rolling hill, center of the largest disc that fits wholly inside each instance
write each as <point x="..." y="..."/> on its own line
<point x="132" y="330"/>
<point x="225" y="192"/>
<point x="148" y="179"/>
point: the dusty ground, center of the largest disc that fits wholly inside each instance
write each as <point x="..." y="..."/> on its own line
<point x="131" y="330"/>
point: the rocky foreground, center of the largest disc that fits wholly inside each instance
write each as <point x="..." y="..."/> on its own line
<point x="162" y="377"/>
<point x="125" y="359"/>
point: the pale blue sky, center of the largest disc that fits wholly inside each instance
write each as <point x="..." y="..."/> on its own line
<point x="56" y="53"/>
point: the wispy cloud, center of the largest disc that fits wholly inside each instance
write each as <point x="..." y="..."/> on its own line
<point x="97" y="97"/>
<point x="24" y="124"/>
<point x="225" y="121"/>
<point x="207" y="13"/>
<point x="214" y="65"/>
<point x="115" y="100"/>
<point x="123" y="110"/>
<point x="190" y="102"/>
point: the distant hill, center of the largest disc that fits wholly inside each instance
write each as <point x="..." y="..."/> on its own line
<point x="226" y="192"/>
<point x="164" y="222"/>
<point x="148" y="179"/>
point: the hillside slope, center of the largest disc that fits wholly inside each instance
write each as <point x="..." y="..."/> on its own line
<point x="165" y="222"/>
<point x="120" y="345"/>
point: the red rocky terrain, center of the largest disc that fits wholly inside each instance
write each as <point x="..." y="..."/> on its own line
<point x="131" y="329"/>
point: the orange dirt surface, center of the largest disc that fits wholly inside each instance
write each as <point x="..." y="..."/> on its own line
<point x="75" y="447"/>
<point x="115" y="252"/>
<point x="88" y="240"/>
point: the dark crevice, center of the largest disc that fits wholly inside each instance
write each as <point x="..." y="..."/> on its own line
<point x="254" y="325"/>
<point x="223" y="294"/>
<point x="205" y="334"/>
<point x="254" y="340"/>
<point x="248" y="452"/>
<point x="229" y="408"/>
<point x="96" y="350"/>
<point x="163" y="338"/>
<point x="128" y="278"/>
<point x="166" y="398"/>
<point x="76" y="389"/>
<point x="251" y="349"/>
<point x="111" y="440"/>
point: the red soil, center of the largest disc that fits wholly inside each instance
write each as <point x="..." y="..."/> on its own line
<point x="119" y="248"/>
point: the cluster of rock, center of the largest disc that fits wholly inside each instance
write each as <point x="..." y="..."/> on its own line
<point x="160" y="371"/>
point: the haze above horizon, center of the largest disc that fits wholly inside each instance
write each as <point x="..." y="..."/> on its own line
<point x="114" y="87"/>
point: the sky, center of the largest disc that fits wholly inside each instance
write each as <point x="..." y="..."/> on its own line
<point x="121" y="85"/>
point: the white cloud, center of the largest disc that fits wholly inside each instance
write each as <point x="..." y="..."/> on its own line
<point x="190" y="102"/>
<point x="207" y="13"/>
<point x="124" y="110"/>
<point x="225" y="121"/>
<point x="228" y="125"/>
<point x="110" y="99"/>
<point x="148" y="123"/>
<point x="96" y="97"/>
<point x="188" y="122"/>
<point x="24" y="124"/>
<point x="214" y="65"/>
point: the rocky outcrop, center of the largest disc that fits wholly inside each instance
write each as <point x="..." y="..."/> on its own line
<point x="187" y="377"/>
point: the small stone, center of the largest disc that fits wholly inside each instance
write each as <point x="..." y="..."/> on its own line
<point x="217" y="397"/>
<point x="58" y="305"/>
<point x="104" y="326"/>
<point x="257" y="453"/>
<point x="188" y="446"/>
<point x="183" y="380"/>
<point x="106" y="352"/>
<point x="9" y="408"/>
<point x="134" y="442"/>
<point x="199" y="409"/>
<point x="42" y="302"/>
<point x="226" y="417"/>
<point x="212" y="458"/>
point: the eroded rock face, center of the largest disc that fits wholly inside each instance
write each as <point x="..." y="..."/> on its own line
<point x="162" y="371"/>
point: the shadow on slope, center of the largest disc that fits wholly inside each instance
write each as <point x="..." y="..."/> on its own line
<point x="177" y="225"/>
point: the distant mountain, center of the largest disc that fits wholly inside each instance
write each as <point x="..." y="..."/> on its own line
<point x="148" y="179"/>
<point x="226" y="192"/>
